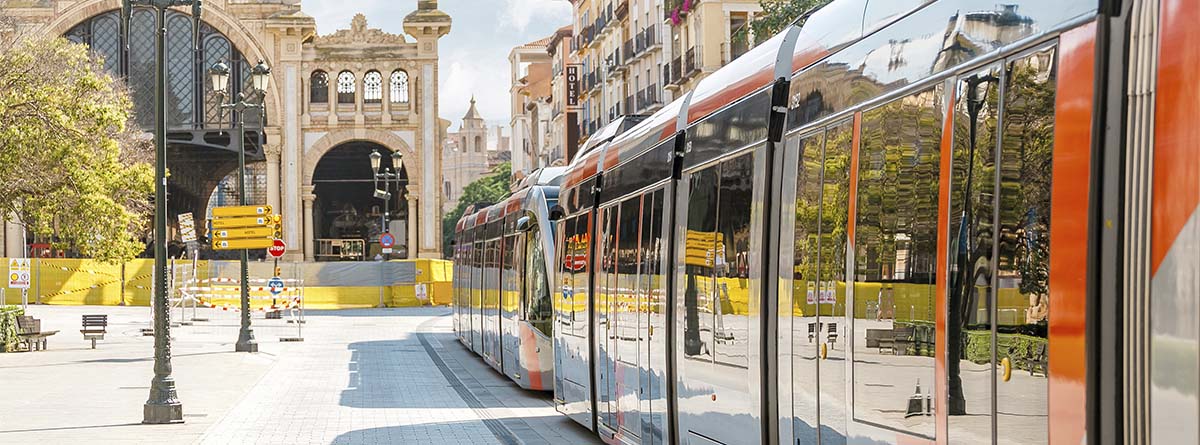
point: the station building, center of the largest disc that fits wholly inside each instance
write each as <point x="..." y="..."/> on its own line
<point x="334" y="98"/>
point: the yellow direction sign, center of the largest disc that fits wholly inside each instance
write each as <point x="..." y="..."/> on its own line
<point x="254" y="243"/>
<point x="249" y="232"/>
<point x="230" y="212"/>
<point x="246" y="221"/>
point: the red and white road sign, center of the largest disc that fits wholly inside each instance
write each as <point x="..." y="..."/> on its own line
<point x="277" y="249"/>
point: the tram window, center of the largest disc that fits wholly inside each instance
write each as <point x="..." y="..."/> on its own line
<point x="565" y="284"/>
<point x="699" y="250"/>
<point x="510" y="287"/>
<point x="971" y="240"/>
<point x="1023" y="261"/>
<point x="895" y="262"/>
<point x="626" y="295"/>
<point x="538" y="311"/>
<point x="651" y="253"/>
<point x="580" y="265"/>
<point x="603" y="289"/>
<point x="731" y="272"/>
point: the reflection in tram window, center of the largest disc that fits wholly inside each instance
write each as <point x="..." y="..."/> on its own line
<point x="700" y="249"/>
<point x="603" y="301"/>
<point x="731" y="331"/>
<point x="654" y="295"/>
<point x="969" y="312"/>
<point x="509" y="288"/>
<point x="1023" y="263"/>
<point x="895" y="261"/>
<point x="566" y="278"/>
<point x="804" y="279"/>
<point x="625" y="303"/>
<point x="537" y="304"/>
<point x="580" y="265"/>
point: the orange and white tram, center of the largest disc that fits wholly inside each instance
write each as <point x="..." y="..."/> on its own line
<point x="904" y="221"/>
<point x="502" y="304"/>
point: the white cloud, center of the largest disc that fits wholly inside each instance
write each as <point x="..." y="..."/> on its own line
<point x="519" y="13"/>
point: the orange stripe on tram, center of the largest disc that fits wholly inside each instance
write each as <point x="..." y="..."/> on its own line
<point x="941" y="419"/>
<point x="1069" y="196"/>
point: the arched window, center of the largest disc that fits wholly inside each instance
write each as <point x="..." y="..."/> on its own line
<point x="399" y="84"/>
<point x="318" y="88"/>
<point x="345" y="87"/>
<point x="373" y="88"/>
<point x="478" y="144"/>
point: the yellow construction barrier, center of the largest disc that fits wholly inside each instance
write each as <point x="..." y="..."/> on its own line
<point x="90" y="282"/>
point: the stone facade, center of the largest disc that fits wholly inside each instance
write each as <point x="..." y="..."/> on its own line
<point x="381" y="93"/>
<point x="465" y="156"/>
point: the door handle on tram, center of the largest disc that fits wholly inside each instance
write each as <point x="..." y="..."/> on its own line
<point x="1007" y="364"/>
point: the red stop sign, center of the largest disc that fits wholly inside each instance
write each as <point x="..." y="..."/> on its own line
<point x="277" y="249"/>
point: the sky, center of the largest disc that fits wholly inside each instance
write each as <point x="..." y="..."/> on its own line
<point x="474" y="56"/>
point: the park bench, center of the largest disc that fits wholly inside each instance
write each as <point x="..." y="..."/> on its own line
<point x="879" y="338"/>
<point x="832" y="334"/>
<point x="1038" y="361"/>
<point x="94" y="328"/>
<point x="29" y="332"/>
<point x="902" y="339"/>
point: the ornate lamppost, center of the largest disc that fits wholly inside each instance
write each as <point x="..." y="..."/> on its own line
<point x="260" y="77"/>
<point x="163" y="406"/>
<point x="387" y="176"/>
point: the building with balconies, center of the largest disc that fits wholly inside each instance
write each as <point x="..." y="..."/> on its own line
<point x="700" y="37"/>
<point x="530" y="105"/>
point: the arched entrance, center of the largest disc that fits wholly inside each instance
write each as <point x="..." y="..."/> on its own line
<point x="201" y="143"/>
<point x="348" y="213"/>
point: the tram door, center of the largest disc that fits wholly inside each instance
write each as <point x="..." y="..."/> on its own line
<point x="999" y="246"/>
<point x="813" y="277"/>
<point x="477" y="287"/>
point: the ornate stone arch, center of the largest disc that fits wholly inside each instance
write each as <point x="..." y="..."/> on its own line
<point x="239" y="36"/>
<point x="313" y="155"/>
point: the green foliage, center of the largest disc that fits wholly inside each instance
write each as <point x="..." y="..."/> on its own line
<point x="8" y="327"/>
<point x="482" y="192"/>
<point x="1020" y="349"/>
<point x="776" y="15"/>
<point x="71" y="165"/>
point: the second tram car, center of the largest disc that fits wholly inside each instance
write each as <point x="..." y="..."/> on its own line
<point x="502" y="306"/>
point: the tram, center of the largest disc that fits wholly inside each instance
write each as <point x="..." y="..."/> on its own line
<point x="903" y="221"/>
<point x="502" y="306"/>
<point x="502" y="302"/>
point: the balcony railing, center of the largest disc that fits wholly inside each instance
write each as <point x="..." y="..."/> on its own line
<point x="646" y="39"/>
<point x="617" y="60"/>
<point x="622" y="9"/>
<point x="628" y="50"/>
<point x="648" y="97"/>
<point x="630" y="105"/>
<point x="690" y="60"/>
<point x="676" y="70"/>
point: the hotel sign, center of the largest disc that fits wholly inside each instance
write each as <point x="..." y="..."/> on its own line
<point x="573" y="86"/>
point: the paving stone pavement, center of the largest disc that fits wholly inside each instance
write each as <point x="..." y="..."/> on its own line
<point x="372" y="376"/>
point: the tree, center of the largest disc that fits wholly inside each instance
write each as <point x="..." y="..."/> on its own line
<point x="776" y="15"/>
<point x="481" y="193"/>
<point x="72" y="166"/>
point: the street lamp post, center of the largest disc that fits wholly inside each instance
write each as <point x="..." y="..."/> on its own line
<point x="387" y="176"/>
<point x="260" y="76"/>
<point x="163" y="405"/>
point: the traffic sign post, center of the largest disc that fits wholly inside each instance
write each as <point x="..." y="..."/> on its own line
<point x="386" y="241"/>
<point x="241" y="228"/>
<point x="277" y="249"/>
<point x="19" y="272"/>
<point x="275" y="285"/>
